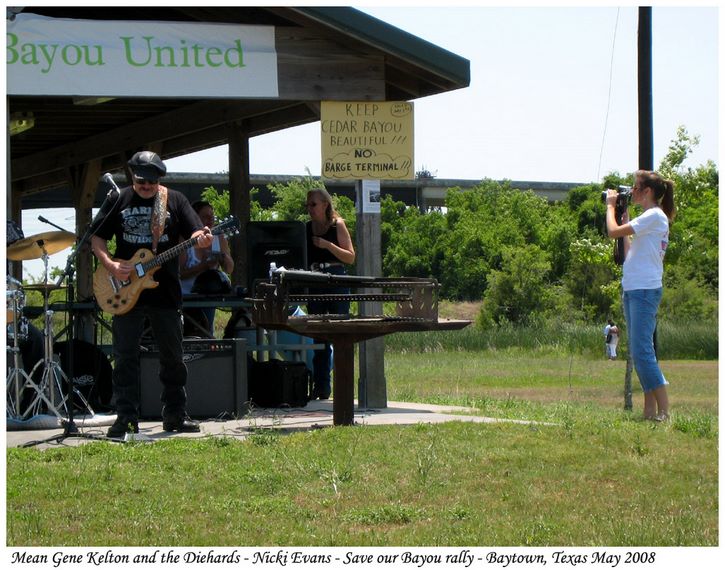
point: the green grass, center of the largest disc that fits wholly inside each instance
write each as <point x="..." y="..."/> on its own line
<point x="676" y="340"/>
<point x="589" y="474"/>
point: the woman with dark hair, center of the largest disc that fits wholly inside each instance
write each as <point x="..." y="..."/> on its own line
<point x="642" y="279"/>
<point x="329" y="249"/>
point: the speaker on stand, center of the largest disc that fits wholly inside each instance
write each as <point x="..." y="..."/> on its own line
<point x="284" y="243"/>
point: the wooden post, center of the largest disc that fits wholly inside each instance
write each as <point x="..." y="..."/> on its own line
<point x="84" y="182"/>
<point x="343" y="407"/>
<point x="14" y="268"/>
<point x="628" y="384"/>
<point x="372" y="392"/>
<point x="239" y="199"/>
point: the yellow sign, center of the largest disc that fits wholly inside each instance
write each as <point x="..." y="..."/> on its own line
<point x="367" y="140"/>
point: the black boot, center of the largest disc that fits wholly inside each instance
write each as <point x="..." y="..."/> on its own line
<point x="122" y="426"/>
<point x="181" y="423"/>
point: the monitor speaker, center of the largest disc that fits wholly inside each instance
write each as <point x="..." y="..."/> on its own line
<point x="284" y="243"/>
<point x="216" y="383"/>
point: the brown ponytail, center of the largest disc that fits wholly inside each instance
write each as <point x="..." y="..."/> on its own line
<point x="663" y="190"/>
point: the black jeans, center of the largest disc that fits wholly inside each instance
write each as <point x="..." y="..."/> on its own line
<point x="127" y="331"/>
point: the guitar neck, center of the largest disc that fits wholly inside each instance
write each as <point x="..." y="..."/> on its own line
<point x="170" y="254"/>
<point x="229" y="225"/>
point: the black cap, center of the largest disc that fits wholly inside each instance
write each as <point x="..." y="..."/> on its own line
<point x="147" y="165"/>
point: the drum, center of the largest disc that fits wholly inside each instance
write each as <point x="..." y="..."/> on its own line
<point x="90" y="374"/>
<point x="21" y="325"/>
<point x="14" y="299"/>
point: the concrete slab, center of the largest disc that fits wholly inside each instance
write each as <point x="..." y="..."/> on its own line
<point x="317" y="414"/>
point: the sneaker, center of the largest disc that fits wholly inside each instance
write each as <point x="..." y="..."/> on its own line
<point x="121" y="427"/>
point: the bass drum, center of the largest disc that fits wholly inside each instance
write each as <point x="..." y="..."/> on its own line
<point x="91" y="373"/>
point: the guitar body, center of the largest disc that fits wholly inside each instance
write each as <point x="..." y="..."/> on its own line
<point x="119" y="297"/>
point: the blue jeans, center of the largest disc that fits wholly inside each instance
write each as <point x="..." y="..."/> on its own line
<point x="127" y="331"/>
<point x="640" y="311"/>
<point x="322" y="359"/>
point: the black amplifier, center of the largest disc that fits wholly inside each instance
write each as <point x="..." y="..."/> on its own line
<point x="216" y="384"/>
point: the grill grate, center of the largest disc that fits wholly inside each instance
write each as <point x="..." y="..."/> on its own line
<point x="416" y="299"/>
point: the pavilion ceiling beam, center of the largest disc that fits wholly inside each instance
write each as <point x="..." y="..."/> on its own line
<point x="189" y="119"/>
<point x="293" y="116"/>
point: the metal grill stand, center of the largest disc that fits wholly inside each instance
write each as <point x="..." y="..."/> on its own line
<point x="416" y="310"/>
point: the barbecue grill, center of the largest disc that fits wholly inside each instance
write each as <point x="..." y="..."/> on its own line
<point x="416" y="309"/>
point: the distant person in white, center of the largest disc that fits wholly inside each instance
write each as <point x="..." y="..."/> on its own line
<point x="611" y="339"/>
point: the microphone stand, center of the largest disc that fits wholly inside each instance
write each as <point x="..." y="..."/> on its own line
<point x="69" y="426"/>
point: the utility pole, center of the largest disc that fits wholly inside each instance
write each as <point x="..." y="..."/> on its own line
<point x="644" y="88"/>
<point x="646" y="136"/>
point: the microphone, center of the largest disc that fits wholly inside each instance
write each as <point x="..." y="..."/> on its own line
<point x="108" y="179"/>
<point x="46" y="221"/>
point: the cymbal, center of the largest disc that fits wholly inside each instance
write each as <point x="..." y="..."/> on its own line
<point x="45" y="287"/>
<point x="33" y="247"/>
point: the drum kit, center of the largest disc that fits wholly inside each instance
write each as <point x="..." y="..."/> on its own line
<point x="30" y="394"/>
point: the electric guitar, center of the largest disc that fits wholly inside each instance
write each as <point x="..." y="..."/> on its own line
<point x="118" y="296"/>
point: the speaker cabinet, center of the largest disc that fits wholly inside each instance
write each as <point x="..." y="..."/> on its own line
<point x="284" y="243"/>
<point x="216" y="383"/>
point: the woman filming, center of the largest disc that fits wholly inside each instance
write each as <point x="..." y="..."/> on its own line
<point x="642" y="279"/>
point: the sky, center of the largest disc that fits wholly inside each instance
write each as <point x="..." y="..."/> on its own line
<point x="553" y="97"/>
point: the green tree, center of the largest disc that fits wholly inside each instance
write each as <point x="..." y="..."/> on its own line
<point x="480" y="223"/>
<point x="290" y="198"/>
<point x="220" y="203"/>
<point x="414" y="251"/>
<point x="590" y="277"/>
<point x="693" y="248"/>
<point x="518" y="292"/>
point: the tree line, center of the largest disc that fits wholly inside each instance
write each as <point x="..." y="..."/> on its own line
<point x="529" y="260"/>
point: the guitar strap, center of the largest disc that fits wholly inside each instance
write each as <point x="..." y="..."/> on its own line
<point x="158" y="217"/>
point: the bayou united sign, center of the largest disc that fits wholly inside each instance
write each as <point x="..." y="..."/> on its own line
<point x="50" y="56"/>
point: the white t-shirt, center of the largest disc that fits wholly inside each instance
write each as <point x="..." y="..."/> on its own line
<point x="192" y="259"/>
<point x="643" y="267"/>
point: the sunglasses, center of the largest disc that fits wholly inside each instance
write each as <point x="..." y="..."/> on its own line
<point x="144" y="181"/>
<point x="312" y="204"/>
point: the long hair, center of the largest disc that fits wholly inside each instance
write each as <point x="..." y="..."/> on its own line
<point x="330" y="213"/>
<point x="663" y="190"/>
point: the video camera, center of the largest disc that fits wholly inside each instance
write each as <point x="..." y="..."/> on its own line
<point x="624" y="195"/>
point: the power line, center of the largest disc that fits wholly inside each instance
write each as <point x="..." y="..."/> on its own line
<point x="609" y="95"/>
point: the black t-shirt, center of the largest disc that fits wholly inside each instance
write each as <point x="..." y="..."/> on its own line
<point x="317" y="254"/>
<point x="129" y="220"/>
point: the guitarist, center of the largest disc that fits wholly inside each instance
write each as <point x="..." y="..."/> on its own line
<point x="139" y="219"/>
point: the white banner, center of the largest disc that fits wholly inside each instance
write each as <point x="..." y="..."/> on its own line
<point x="51" y="56"/>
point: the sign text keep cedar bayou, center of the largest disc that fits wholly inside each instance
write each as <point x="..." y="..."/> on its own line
<point x="138" y="52"/>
